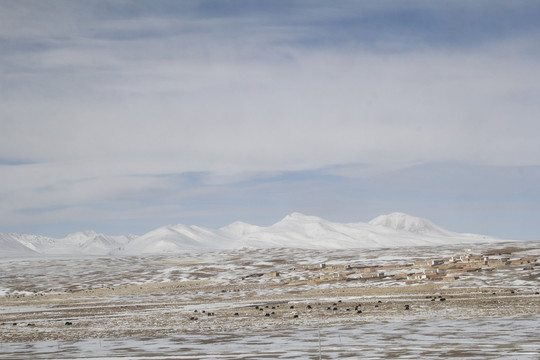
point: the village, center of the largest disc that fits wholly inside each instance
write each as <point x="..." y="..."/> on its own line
<point x="442" y="269"/>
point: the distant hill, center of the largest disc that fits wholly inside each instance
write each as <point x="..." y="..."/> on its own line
<point x="79" y="243"/>
<point x="11" y="247"/>
<point x="403" y="222"/>
<point x="294" y="231"/>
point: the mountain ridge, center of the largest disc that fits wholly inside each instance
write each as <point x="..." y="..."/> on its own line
<point x="295" y="230"/>
<point x="409" y="223"/>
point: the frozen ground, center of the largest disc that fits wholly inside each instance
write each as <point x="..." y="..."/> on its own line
<point x="485" y="338"/>
<point x="158" y="306"/>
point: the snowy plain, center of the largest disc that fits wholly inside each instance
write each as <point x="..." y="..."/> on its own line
<point x="488" y="338"/>
<point x="427" y="334"/>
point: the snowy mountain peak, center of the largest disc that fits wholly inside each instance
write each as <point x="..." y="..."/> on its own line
<point x="239" y="229"/>
<point x="175" y="238"/>
<point x="81" y="235"/>
<point x="10" y="246"/>
<point x="293" y="231"/>
<point x="297" y="217"/>
<point x="403" y="222"/>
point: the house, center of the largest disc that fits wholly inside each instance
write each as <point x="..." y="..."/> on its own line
<point x="332" y="277"/>
<point x="497" y="262"/>
<point x="476" y="258"/>
<point x="372" y="275"/>
<point x="436" y="271"/>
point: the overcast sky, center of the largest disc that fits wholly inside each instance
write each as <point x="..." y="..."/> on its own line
<point x="123" y="116"/>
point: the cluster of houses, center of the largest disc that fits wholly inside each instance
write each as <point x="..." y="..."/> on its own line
<point x="450" y="268"/>
<point x="446" y="269"/>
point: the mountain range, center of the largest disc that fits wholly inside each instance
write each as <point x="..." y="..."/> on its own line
<point x="294" y="231"/>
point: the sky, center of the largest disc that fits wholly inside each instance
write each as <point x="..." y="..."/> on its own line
<point x="124" y="116"/>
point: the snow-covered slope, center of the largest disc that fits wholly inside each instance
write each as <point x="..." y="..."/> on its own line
<point x="79" y="243"/>
<point x="397" y="229"/>
<point x="239" y="229"/>
<point x="295" y="231"/>
<point x="91" y="242"/>
<point x="174" y="238"/>
<point x="10" y="247"/>
<point x="412" y="224"/>
<point x="302" y="231"/>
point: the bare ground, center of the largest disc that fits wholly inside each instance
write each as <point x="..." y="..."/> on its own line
<point x="160" y="309"/>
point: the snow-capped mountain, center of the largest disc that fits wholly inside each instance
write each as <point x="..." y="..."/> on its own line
<point x="393" y="230"/>
<point x="174" y="238"/>
<point x="11" y="247"/>
<point x="302" y="231"/>
<point x="84" y="243"/>
<point x="94" y="243"/>
<point x="403" y="222"/>
<point x="295" y="231"/>
<point x="239" y="229"/>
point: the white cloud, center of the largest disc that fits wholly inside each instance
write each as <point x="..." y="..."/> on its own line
<point x="314" y="112"/>
<point x="96" y="101"/>
<point x="318" y="111"/>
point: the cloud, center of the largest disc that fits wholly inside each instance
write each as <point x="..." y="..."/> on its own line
<point x="114" y="102"/>
<point x="320" y="110"/>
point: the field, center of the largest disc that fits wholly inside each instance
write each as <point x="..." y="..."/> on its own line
<point x="272" y="303"/>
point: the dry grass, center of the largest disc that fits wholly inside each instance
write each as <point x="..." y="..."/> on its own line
<point x="158" y="309"/>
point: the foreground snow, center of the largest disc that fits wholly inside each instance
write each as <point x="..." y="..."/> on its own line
<point x="432" y="339"/>
<point x="293" y="231"/>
